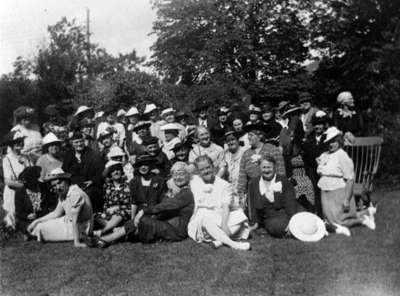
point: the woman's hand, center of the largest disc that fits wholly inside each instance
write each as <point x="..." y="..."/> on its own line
<point x="32" y="216"/>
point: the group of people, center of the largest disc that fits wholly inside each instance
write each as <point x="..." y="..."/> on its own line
<point x="147" y="176"/>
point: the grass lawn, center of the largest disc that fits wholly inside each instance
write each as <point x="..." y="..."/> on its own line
<point x="368" y="263"/>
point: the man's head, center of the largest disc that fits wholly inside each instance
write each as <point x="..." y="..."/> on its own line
<point x="267" y="167"/>
<point x="205" y="167"/>
<point x="305" y="100"/>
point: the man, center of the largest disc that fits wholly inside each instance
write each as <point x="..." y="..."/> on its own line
<point x="206" y="147"/>
<point x="212" y="219"/>
<point x="72" y="218"/>
<point x="218" y="130"/>
<point x="254" y="114"/>
<point x="273" y="199"/>
<point x="85" y="167"/>
<point x="202" y="117"/>
<point x="111" y="123"/>
<point x="231" y="163"/>
<point x="307" y="112"/>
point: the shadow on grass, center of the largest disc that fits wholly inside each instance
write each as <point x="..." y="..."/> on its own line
<point x="368" y="263"/>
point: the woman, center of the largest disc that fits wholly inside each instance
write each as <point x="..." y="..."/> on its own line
<point x="50" y="159"/>
<point x="273" y="127"/>
<point x="72" y="218"/>
<point x="249" y="164"/>
<point x="147" y="189"/>
<point x="346" y="118"/>
<point x="13" y="164"/>
<point x="33" y="200"/>
<point x="238" y="126"/>
<point x="336" y="183"/>
<point x="171" y="133"/>
<point x="116" y="194"/>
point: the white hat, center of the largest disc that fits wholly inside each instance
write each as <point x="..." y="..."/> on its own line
<point x="320" y="114"/>
<point x="50" y="138"/>
<point x="149" y="108"/>
<point x="82" y="109"/>
<point x="98" y="114"/>
<point x="307" y="227"/>
<point x="170" y="126"/>
<point x="115" y="151"/>
<point x="331" y="132"/>
<point x="167" y="111"/>
<point x="132" y="111"/>
<point x="121" y="112"/>
<point x="345" y="97"/>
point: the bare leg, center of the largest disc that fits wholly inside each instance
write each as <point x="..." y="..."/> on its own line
<point x="117" y="234"/>
<point x="110" y="224"/>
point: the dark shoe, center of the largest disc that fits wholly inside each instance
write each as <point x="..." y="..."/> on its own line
<point x="99" y="243"/>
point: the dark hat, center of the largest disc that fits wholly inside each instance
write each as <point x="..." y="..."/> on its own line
<point x="256" y="127"/>
<point x="112" y="166"/>
<point x="181" y="145"/>
<point x="144" y="159"/>
<point x="11" y="138"/>
<point x="75" y="135"/>
<point x="289" y="109"/>
<point x="181" y="115"/>
<point x="141" y="125"/>
<point x="222" y="111"/>
<point x="105" y="134"/>
<point x="231" y="132"/>
<point x="149" y="140"/>
<point x="305" y="97"/>
<point x="30" y="174"/>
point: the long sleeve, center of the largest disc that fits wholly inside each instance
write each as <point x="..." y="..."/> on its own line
<point x="242" y="182"/>
<point x="181" y="200"/>
<point x="290" y="198"/>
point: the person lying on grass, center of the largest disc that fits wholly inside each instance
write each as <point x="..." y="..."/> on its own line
<point x="116" y="194"/>
<point x="272" y="198"/>
<point x="72" y="218"/>
<point x="165" y="221"/>
<point x="213" y="221"/>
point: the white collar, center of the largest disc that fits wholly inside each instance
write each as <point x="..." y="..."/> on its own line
<point x="267" y="191"/>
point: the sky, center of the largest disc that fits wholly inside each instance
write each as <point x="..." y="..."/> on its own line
<point x="118" y="25"/>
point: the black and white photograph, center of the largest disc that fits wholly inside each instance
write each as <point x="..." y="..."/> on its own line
<point x="200" y="147"/>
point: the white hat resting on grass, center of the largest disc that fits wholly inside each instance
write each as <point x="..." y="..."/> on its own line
<point x="331" y="133"/>
<point x="307" y="227"/>
<point x="149" y="108"/>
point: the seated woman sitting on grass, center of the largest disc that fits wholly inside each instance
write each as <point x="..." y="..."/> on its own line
<point x="116" y="194"/>
<point x="72" y="219"/>
<point x="166" y="220"/>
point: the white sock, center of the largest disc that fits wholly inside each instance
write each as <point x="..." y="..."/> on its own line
<point x="342" y="230"/>
<point x="369" y="222"/>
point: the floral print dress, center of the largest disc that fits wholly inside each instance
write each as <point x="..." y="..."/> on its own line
<point x="118" y="198"/>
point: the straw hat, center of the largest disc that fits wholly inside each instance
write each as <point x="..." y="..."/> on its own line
<point x="115" y="151"/>
<point x="149" y="108"/>
<point x="307" y="227"/>
<point x="82" y="109"/>
<point x="167" y="111"/>
<point x="121" y="112"/>
<point x="170" y="127"/>
<point x="132" y="111"/>
<point x="56" y="174"/>
<point x="331" y="133"/>
<point x="50" y="138"/>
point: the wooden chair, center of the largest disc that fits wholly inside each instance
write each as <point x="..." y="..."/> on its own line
<point x="365" y="153"/>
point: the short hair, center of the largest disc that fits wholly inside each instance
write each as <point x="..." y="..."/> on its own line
<point x="268" y="158"/>
<point x="179" y="166"/>
<point x="203" y="158"/>
<point x="201" y="128"/>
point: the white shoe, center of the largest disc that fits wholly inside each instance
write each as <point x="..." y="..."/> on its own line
<point x="369" y="222"/>
<point x="216" y="244"/>
<point x="342" y="229"/>
<point x="371" y="211"/>
<point x="244" y="246"/>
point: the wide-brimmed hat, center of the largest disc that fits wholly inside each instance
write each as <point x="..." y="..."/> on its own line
<point x="86" y="122"/>
<point x="98" y="114"/>
<point x="82" y="110"/>
<point x="50" y="138"/>
<point x="230" y="132"/>
<point x="149" y="140"/>
<point x="57" y="174"/>
<point x="331" y="133"/>
<point x="255" y="127"/>
<point x="111" y="166"/>
<point x="108" y="133"/>
<point x="121" y="112"/>
<point x="170" y="127"/>
<point x="12" y="137"/>
<point x="144" y="159"/>
<point x="181" y="145"/>
<point x="132" y="112"/>
<point x="115" y="151"/>
<point x="149" y="108"/>
<point x="289" y="109"/>
<point x="141" y="125"/>
<point x="167" y="111"/>
<point x="30" y="174"/>
<point x="254" y="109"/>
<point x="307" y="227"/>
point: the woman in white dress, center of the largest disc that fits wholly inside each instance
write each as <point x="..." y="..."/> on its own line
<point x="212" y="220"/>
<point x="49" y="160"/>
<point x="13" y="164"/>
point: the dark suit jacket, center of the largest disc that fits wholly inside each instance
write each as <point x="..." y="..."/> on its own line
<point x="143" y="197"/>
<point x="312" y="149"/>
<point x="284" y="202"/>
<point x="163" y="164"/>
<point x="176" y="211"/>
